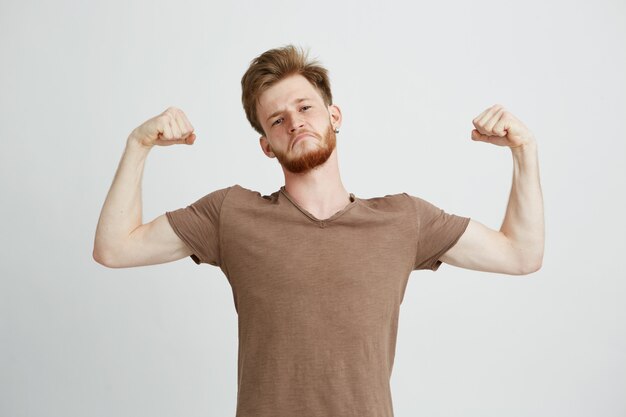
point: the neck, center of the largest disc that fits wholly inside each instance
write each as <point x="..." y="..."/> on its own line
<point x="319" y="190"/>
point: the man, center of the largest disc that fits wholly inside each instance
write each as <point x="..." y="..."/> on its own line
<point x="317" y="273"/>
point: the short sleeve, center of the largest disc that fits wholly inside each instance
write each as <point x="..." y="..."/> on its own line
<point x="198" y="225"/>
<point x="437" y="232"/>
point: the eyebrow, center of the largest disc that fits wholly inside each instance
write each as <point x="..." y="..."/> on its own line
<point x="276" y="113"/>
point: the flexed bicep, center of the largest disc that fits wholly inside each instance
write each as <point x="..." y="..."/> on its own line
<point x="483" y="249"/>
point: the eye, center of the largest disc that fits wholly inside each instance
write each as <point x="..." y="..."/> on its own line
<point x="277" y="121"/>
<point x="305" y="107"/>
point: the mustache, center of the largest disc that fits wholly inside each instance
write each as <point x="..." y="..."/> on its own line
<point x="304" y="132"/>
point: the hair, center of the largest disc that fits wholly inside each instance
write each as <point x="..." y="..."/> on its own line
<point x="274" y="65"/>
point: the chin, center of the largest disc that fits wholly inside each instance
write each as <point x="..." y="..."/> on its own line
<point x="312" y="158"/>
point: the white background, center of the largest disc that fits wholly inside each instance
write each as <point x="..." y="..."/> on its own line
<point x="80" y="339"/>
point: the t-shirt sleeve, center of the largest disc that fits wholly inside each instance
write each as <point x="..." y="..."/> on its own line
<point x="437" y="232"/>
<point x="198" y="225"/>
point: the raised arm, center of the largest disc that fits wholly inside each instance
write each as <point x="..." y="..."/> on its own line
<point x="121" y="239"/>
<point x="517" y="248"/>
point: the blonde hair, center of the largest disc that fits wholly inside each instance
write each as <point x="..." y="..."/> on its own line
<point x="274" y="65"/>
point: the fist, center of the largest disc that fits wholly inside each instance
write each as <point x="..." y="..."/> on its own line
<point x="496" y="125"/>
<point x="168" y="128"/>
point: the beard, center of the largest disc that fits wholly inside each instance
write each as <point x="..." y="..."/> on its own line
<point x="301" y="162"/>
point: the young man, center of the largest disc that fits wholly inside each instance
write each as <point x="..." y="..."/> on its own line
<point x="317" y="273"/>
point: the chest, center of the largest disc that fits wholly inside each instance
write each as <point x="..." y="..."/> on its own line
<point x="282" y="259"/>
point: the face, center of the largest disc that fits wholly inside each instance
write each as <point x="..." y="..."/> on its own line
<point x="299" y="128"/>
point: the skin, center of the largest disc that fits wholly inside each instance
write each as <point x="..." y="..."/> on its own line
<point x="312" y="177"/>
<point x="517" y="248"/>
<point x="318" y="188"/>
<point x="121" y="240"/>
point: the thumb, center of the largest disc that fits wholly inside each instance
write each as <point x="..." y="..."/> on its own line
<point x="189" y="140"/>
<point x="476" y="135"/>
<point x="496" y="140"/>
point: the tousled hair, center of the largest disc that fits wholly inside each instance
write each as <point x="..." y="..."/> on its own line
<point x="274" y="65"/>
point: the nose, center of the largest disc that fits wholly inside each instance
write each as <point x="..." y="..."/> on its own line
<point x="295" y="122"/>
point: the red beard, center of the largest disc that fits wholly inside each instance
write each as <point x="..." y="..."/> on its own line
<point x="309" y="159"/>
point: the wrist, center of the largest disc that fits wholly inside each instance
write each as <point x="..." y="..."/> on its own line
<point x="135" y="143"/>
<point x="530" y="146"/>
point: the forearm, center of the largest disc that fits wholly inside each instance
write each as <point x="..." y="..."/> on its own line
<point x="122" y="209"/>
<point x="524" y="221"/>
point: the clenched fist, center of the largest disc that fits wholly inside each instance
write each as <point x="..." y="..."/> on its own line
<point x="168" y="128"/>
<point x="496" y="125"/>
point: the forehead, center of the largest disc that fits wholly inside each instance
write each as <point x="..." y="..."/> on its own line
<point x="284" y="93"/>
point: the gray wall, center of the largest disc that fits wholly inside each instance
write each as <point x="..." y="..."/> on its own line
<point x="79" y="339"/>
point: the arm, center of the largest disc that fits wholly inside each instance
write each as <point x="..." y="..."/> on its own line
<point x="121" y="239"/>
<point x="517" y="248"/>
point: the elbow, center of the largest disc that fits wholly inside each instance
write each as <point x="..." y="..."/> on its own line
<point x="531" y="269"/>
<point x="525" y="261"/>
<point x="99" y="257"/>
<point x="102" y="258"/>
<point x="99" y="251"/>
<point x="531" y="266"/>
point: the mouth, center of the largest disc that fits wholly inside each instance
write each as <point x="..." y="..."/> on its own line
<point x="300" y="137"/>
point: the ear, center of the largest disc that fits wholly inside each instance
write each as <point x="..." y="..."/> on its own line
<point x="266" y="147"/>
<point x="335" y="116"/>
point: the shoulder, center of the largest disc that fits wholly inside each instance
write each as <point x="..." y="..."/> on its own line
<point x="388" y="202"/>
<point x="242" y="195"/>
<point x="406" y="202"/>
<point x="421" y="205"/>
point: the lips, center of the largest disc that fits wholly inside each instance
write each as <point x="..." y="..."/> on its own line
<point x="301" y="136"/>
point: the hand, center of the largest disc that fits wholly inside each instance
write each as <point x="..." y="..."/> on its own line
<point x="168" y="128"/>
<point x="498" y="126"/>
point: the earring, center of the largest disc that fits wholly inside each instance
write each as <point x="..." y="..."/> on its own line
<point x="336" y="130"/>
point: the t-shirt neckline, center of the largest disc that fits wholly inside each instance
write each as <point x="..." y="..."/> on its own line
<point x="352" y="203"/>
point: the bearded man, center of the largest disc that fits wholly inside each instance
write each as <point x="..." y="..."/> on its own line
<point x="317" y="273"/>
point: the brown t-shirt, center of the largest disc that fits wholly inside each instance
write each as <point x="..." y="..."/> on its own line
<point x="317" y="300"/>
